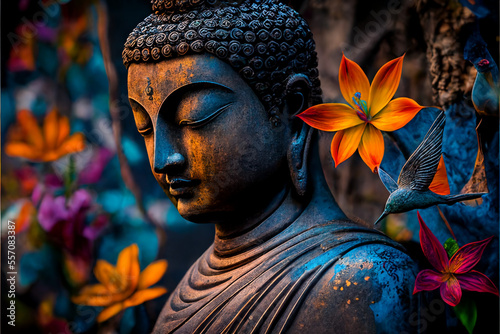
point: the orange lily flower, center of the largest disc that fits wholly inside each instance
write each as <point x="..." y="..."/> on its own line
<point x="122" y="286"/>
<point x="370" y="110"/>
<point x="27" y="140"/>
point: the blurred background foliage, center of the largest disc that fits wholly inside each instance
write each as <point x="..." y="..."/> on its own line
<point x="53" y="59"/>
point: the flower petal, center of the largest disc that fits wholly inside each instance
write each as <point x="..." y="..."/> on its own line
<point x="23" y="150"/>
<point x="99" y="295"/>
<point x="52" y="211"/>
<point x="81" y="200"/>
<point x="127" y="265"/>
<point x="371" y="147"/>
<point x="94" y="295"/>
<point x="384" y="85"/>
<point x="31" y="130"/>
<point x="476" y="281"/>
<point x="143" y="295"/>
<point x="451" y="291"/>
<point x="104" y="272"/>
<point x="152" y="274"/>
<point x="330" y="117"/>
<point x="352" y="80"/>
<point x="467" y="256"/>
<point x="92" y="173"/>
<point x="345" y="143"/>
<point x="63" y="130"/>
<point x="94" y="289"/>
<point x="427" y="280"/>
<point x="432" y="248"/>
<point x="75" y="143"/>
<point x="15" y="133"/>
<point x="439" y="184"/>
<point x="51" y="129"/>
<point x="396" y="114"/>
<point x="110" y="312"/>
<point x="25" y="216"/>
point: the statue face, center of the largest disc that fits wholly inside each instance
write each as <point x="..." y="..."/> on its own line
<point x="209" y="141"/>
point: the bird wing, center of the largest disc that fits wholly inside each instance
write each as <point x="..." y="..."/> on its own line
<point x="387" y="180"/>
<point x="418" y="172"/>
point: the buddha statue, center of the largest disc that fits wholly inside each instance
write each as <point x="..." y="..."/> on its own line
<point x="215" y="87"/>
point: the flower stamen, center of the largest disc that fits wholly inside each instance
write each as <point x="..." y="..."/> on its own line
<point x="362" y="110"/>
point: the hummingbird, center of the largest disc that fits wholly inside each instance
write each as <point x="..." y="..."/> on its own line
<point x="412" y="189"/>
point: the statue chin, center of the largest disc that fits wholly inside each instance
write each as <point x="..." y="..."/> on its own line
<point x="239" y="208"/>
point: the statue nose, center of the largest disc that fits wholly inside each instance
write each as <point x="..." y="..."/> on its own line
<point x="164" y="163"/>
<point x="166" y="153"/>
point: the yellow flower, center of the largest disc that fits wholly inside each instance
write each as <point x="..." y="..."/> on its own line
<point x="122" y="286"/>
<point x="27" y="140"/>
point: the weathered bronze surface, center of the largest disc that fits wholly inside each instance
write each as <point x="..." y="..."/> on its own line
<point x="285" y="258"/>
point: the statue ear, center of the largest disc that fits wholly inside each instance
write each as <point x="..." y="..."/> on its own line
<point x="297" y="93"/>
<point x="298" y="89"/>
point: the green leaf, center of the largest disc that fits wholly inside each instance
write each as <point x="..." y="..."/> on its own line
<point x="451" y="247"/>
<point x="466" y="312"/>
<point x="70" y="177"/>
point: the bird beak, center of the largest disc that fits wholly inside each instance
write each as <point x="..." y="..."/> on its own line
<point x="384" y="214"/>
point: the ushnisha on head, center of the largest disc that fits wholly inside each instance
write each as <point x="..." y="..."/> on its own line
<point x="264" y="41"/>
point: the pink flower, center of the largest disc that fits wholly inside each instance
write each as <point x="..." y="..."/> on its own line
<point x="93" y="171"/>
<point x="65" y="221"/>
<point x="453" y="274"/>
<point x="52" y="210"/>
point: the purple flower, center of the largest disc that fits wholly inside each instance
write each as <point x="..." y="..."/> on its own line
<point x="52" y="210"/>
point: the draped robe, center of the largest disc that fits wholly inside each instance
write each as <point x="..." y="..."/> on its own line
<point x="258" y="283"/>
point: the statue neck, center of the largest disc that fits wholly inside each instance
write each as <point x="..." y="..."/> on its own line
<point x="319" y="208"/>
<point x="284" y="211"/>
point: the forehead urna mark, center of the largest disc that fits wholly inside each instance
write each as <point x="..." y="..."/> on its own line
<point x="149" y="89"/>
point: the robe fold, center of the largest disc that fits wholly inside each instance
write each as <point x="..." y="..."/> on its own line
<point x="260" y="289"/>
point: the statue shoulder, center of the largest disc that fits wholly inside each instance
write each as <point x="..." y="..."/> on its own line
<point x="368" y="290"/>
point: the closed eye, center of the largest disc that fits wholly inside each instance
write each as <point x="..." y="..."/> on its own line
<point x="146" y="131"/>
<point x="141" y="117"/>
<point x="205" y="120"/>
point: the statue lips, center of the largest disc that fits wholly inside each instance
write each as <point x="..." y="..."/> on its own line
<point x="180" y="188"/>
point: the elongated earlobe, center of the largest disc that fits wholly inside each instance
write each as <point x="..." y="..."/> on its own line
<point x="297" y="158"/>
